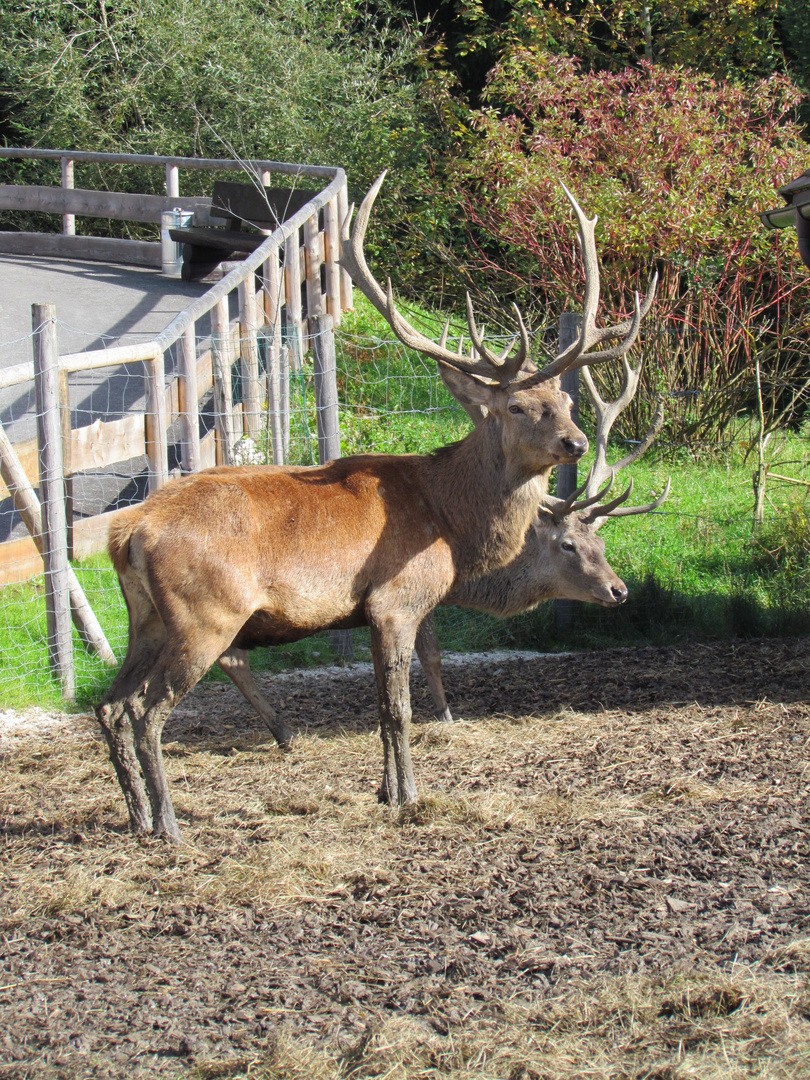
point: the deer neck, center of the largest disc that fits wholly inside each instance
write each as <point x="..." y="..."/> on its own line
<point x="486" y="504"/>
<point x="519" y="586"/>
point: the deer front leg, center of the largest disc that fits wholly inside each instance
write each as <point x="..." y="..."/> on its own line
<point x="236" y="665"/>
<point x="430" y="657"/>
<point x="392" y="642"/>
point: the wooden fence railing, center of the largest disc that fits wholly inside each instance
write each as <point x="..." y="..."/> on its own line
<point x="284" y="291"/>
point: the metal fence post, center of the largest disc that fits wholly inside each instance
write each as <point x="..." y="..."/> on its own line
<point x="324" y="360"/>
<point x="570" y="323"/>
<point x="52" y="489"/>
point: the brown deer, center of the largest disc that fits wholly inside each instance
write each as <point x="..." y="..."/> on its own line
<point x="232" y="558"/>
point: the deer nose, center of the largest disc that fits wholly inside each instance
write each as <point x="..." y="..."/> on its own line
<point x="619" y="593"/>
<point x="575" y="448"/>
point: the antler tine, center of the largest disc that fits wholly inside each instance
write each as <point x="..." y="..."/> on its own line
<point x="602" y="513"/>
<point x="352" y="257"/>
<point x="605" y="333"/>
<point x="445" y="332"/>
<point x="353" y="260"/>
<point x="505" y="365"/>
<point x="608" y="508"/>
<point x="587" y="244"/>
<point x="574" y="360"/>
<point x="562" y="508"/>
<point x="650" y="435"/>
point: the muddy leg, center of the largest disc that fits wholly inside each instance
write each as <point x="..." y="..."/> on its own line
<point x="147" y="639"/>
<point x="147" y="726"/>
<point x="177" y="671"/>
<point x="117" y="729"/>
<point x="236" y="665"/>
<point x="427" y="649"/>
<point x="392" y="642"/>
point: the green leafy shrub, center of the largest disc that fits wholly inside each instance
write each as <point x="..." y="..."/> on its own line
<point x="676" y="167"/>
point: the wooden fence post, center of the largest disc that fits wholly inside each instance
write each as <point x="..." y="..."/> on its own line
<point x="156" y="432"/>
<point x="312" y="265"/>
<point x="331" y="239"/>
<point x="223" y="393"/>
<point x="326" y="411"/>
<point x="28" y="507"/>
<point x="68" y="220"/>
<point x="249" y="369"/>
<point x="284" y="400"/>
<point x="326" y="394"/>
<point x="272" y="300"/>
<point x="567" y="474"/>
<point x="172" y="180"/>
<point x="188" y="401"/>
<point x="52" y="486"/>
<point x="292" y="291"/>
<point x="346" y="297"/>
<point x="67" y="467"/>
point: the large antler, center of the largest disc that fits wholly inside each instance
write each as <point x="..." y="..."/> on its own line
<point x="486" y="364"/>
<point x="606" y="415"/>
<point x="577" y="355"/>
<point x="483" y="363"/>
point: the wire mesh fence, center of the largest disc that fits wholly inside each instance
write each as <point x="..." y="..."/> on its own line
<point x="693" y="566"/>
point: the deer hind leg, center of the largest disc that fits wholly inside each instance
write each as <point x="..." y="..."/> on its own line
<point x="176" y="672"/>
<point x="191" y="651"/>
<point x="147" y="639"/>
<point x="392" y="643"/>
<point x="430" y="657"/>
<point x="236" y="665"/>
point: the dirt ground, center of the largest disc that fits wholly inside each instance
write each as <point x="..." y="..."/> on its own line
<point x="606" y="876"/>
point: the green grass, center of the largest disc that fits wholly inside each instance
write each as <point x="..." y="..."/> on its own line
<point x="694" y="569"/>
<point x="25" y="678"/>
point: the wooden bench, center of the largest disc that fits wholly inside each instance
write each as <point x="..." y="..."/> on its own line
<point x="245" y="210"/>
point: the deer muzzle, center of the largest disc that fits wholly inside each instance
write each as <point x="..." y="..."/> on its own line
<point x="611" y="594"/>
<point x="574" y="447"/>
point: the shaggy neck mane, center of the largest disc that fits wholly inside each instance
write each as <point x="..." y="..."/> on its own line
<point x="492" y="504"/>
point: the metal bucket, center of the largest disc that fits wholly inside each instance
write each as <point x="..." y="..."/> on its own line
<point x="171" y="253"/>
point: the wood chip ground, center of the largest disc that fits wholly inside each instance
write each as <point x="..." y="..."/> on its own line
<point x="607" y="875"/>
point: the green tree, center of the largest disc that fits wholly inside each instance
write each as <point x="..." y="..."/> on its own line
<point x="316" y="81"/>
<point x="726" y="38"/>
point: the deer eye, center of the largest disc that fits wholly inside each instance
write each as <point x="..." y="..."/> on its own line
<point x="567" y="545"/>
<point x="515" y="409"/>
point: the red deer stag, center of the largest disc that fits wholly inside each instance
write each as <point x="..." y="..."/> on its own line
<point x="232" y="558"/>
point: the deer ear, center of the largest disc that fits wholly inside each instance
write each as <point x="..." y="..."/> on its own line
<point x="466" y="388"/>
